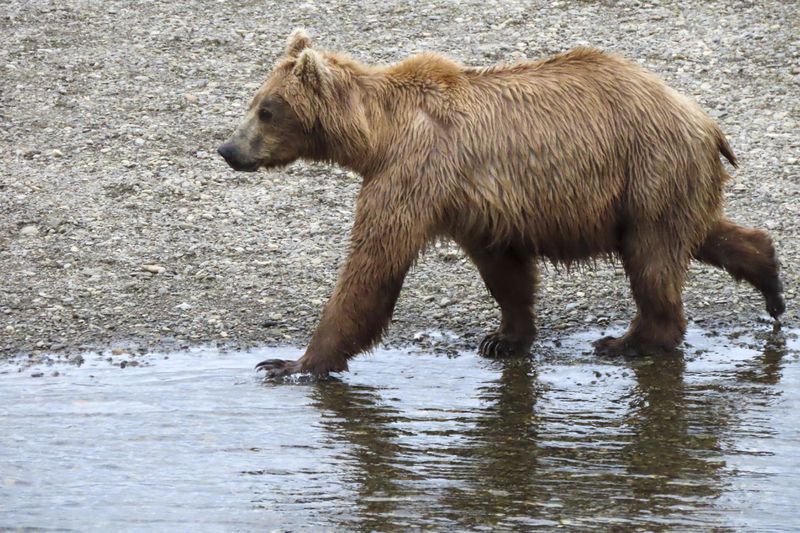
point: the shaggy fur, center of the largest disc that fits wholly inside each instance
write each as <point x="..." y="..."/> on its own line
<point x="582" y="155"/>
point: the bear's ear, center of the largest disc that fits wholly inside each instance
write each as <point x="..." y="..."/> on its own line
<point x="312" y="70"/>
<point x="297" y="42"/>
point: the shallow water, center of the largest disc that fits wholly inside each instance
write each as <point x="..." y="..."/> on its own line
<point x="411" y="440"/>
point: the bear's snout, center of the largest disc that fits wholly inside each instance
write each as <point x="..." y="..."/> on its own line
<point x="231" y="154"/>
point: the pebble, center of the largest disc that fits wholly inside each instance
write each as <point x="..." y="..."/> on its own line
<point x="154" y="269"/>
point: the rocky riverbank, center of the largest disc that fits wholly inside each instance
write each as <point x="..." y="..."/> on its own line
<point x="120" y="228"/>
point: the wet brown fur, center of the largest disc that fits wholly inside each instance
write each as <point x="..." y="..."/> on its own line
<point x="578" y="156"/>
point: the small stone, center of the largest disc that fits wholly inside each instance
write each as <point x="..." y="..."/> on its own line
<point x="37" y="374"/>
<point x="184" y="306"/>
<point x="117" y="351"/>
<point x="29" y="230"/>
<point x="154" y="269"/>
<point x="191" y="98"/>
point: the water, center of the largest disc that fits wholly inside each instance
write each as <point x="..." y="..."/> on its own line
<point x="195" y="441"/>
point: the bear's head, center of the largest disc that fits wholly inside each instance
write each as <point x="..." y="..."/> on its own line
<point x="289" y="117"/>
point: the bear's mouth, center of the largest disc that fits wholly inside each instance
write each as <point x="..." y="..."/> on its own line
<point x="250" y="167"/>
<point x="276" y="162"/>
<point x="238" y="166"/>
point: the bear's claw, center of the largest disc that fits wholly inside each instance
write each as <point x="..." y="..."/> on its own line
<point x="276" y="368"/>
<point x="499" y="345"/>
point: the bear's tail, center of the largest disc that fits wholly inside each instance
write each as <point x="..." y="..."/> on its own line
<point x="725" y="148"/>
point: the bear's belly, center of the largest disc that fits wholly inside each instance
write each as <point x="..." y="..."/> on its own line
<point x="563" y="220"/>
<point x="559" y="237"/>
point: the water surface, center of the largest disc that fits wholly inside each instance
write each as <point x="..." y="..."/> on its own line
<point x="196" y="440"/>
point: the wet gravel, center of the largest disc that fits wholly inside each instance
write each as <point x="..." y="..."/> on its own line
<point x="120" y="228"/>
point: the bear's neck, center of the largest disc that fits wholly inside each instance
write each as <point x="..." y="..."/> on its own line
<point x="358" y="157"/>
<point x="360" y="145"/>
<point x="384" y="115"/>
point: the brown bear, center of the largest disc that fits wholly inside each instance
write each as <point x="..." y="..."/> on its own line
<point x="581" y="155"/>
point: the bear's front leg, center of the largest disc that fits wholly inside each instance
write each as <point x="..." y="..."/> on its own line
<point x="385" y="241"/>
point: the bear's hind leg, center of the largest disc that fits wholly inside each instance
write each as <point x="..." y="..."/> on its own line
<point x="656" y="265"/>
<point x="511" y="277"/>
<point x="747" y="254"/>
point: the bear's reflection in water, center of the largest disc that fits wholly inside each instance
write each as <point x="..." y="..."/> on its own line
<point x="697" y="441"/>
<point x="635" y="443"/>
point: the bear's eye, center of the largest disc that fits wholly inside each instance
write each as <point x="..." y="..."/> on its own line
<point x="265" y="114"/>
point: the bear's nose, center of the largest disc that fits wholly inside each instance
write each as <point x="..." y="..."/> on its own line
<point x="227" y="151"/>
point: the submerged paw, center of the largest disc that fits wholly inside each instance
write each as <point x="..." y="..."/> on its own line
<point x="626" y="347"/>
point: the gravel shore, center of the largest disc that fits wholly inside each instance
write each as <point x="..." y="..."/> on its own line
<point x="121" y="228"/>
